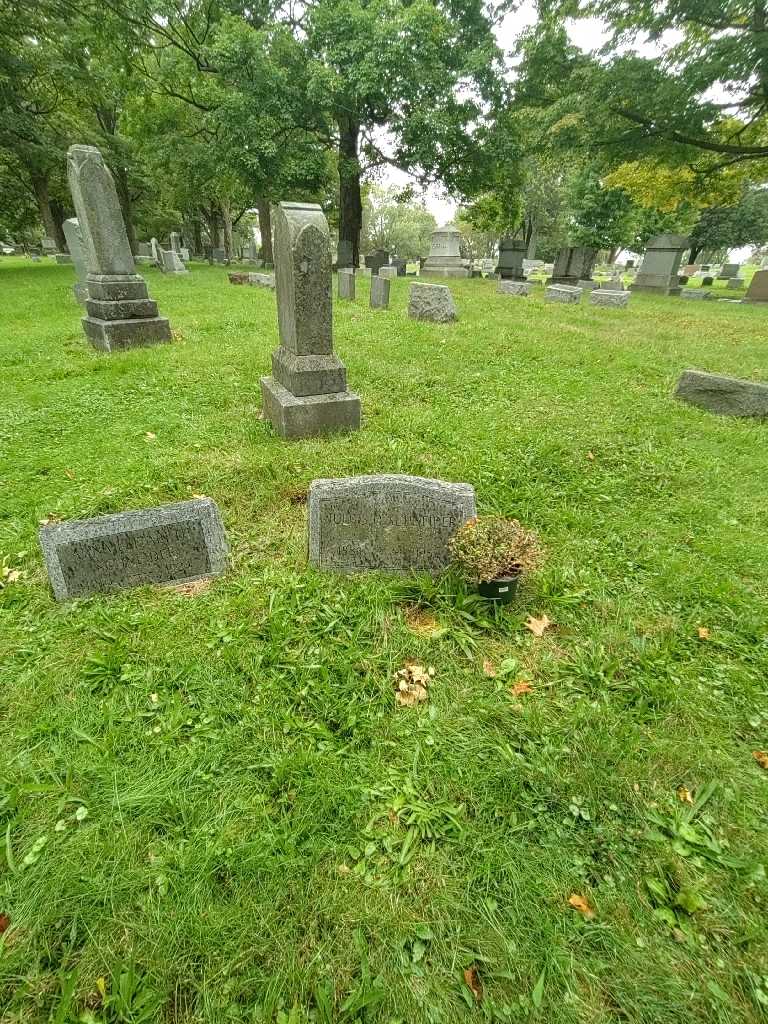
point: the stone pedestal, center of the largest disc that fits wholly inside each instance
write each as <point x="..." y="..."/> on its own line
<point x="444" y="258"/>
<point x="307" y="392"/>
<point x="574" y="264"/>
<point x="511" y="255"/>
<point x="120" y="312"/>
<point x="659" y="271"/>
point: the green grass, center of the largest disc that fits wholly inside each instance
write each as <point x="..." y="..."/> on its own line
<point x="248" y="782"/>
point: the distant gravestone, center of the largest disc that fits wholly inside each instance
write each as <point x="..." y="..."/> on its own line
<point x="562" y="293"/>
<point x="218" y="255"/>
<point x="172" y="262"/>
<point x="758" y="287"/>
<point x="520" y="288"/>
<point x="388" y="272"/>
<point x="707" y="282"/>
<point x="727" y="396"/>
<point x="574" y="264"/>
<point x="184" y="253"/>
<point x="728" y="270"/>
<point x="63" y="258"/>
<point x="120" y="312"/>
<point x="307" y="392"/>
<point x="379" y="292"/>
<point x="608" y="298"/>
<point x="176" y="241"/>
<point x="400" y="266"/>
<point x="48" y="246"/>
<point x="432" y="302"/>
<point x="734" y="282"/>
<point x="157" y="253"/>
<point x="661" y="263"/>
<point x="175" y="543"/>
<point x="511" y="259"/>
<point x="145" y="249"/>
<point x="389" y="522"/>
<point x="444" y="257"/>
<point x="376" y="260"/>
<point x="345" y="252"/>
<point x="695" y="294"/>
<point x="346" y="283"/>
<point x="261" y="280"/>
<point x="75" y="245"/>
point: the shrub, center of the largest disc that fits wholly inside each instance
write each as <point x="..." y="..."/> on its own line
<point x="489" y="547"/>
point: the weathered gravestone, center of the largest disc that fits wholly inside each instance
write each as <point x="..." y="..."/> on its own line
<point x="758" y="287"/>
<point x="607" y="297"/>
<point x="175" y="543"/>
<point x="432" y="302"/>
<point x="734" y="282"/>
<point x="172" y="263"/>
<point x="184" y="253"/>
<point x="379" y="292"/>
<point x="176" y="241"/>
<point x="388" y="272"/>
<point x="157" y="253"/>
<point x="562" y="293"/>
<point x="400" y="265"/>
<point x="120" y="312"/>
<point x="75" y="245"/>
<point x="445" y="258"/>
<point x="345" y="253"/>
<point x="729" y="270"/>
<point x="727" y="396"/>
<point x="145" y="249"/>
<point x="707" y="282"/>
<point x="218" y="255"/>
<point x="261" y="280"/>
<point x="506" y="287"/>
<point x="695" y="294"/>
<point x="307" y="394"/>
<point x="661" y="263"/>
<point x="346" y="283"/>
<point x="511" y="255"/>
<point x="574" y="264"/>
<point x="377" y="259"/>
<point x="389" y="522"/>
<point x="62" y="258"/>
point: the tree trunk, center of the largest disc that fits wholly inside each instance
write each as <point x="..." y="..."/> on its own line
<point x="126" y="204"/>
<point x="350" y="200"/>
<point x="197" y="236"/>
<point x="695" y="250"/>
<point x="265" y="229"/>
<point x="40" y="188"/>
<point x="533" y="241"/>
<point x="226" y="216"/>
<point x="614" y="252"/>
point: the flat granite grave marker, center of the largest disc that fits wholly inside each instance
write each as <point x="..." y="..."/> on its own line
<point x="307" y="393"/>
<point x="508" y="286"/>
<point x="120" y="313"/>
<point x="392" y="522"/>
<point x="727" y="396"/>
<point x="562" y="293"/>
<point x="609" y="298"/>
<point x="176" y="543"/>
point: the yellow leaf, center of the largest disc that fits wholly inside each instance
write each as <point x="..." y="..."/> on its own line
<point x="489" y="668"/>
<point x="684" y="795"/>
<point x="581" y="904"/>
<point x="149" y="436"/>
<point x="538" y="626"/>
<point x="101" y="985"/>
<point x="703" y="633"/>
<point x="761" y="757"/>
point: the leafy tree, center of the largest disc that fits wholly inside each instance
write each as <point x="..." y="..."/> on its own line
<point x="395" y="223"/>
<point x="601" y="217"/>
<point x="729" y="227"/>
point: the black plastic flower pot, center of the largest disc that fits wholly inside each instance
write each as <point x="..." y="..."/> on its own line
<point x="502" y="589"/>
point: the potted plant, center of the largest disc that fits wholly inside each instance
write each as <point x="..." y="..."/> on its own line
<point x="493" y="553"/>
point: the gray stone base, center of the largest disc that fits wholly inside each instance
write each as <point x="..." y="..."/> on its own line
<point x="113" y="287"/>
<point x="608" y="298"/>
<point x="303" y="376"/>
<point x="311" y="415"/>
<point x="562" y="293"/>
<point x="121" y="309"/>
<point x="113" y="335"/>
<point x="445" y="272"/>
<point x="508" y="286"/>
<point x="80" y="292"/>
<point x="727" y="396"/>
<point x="656" y="289"/>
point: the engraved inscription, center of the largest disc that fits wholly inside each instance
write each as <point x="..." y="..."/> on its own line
<point x="154" y="554"/>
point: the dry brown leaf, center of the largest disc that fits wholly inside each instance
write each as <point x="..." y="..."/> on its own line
<point x="411" y="683"/>
<point x="761" y="757"/>
<point x="5" y="923"/>
<point x="581" y="904"/>
<point x="703" y="633"/>
<point x="421" y="622"/>
<point x="489" y="669"/>
<point x="684" y="795"/>
<point x="193" y="589"/>
<point x="520" y="687"/>
<point x="69" y="474"/>
<point x="48" y="520"/>
<point x="473" y="982"/>
<point x="538" y="626"/>
<point x="590" y="456"/>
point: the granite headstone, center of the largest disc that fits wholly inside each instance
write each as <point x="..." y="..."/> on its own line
<point x="727" y="396"/>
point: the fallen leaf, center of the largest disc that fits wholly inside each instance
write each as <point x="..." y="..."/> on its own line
<point x="581" y="904"/>
<point x="149" y="436"/>
<point x="193" y="589"/>
<point x="48" y="519"/>
<point x="590" y="456"/>
<point x="684" y="795"/>
<point x="473" y="982"/>
<point x="11" y="575"/>
<point x="489" y="669"/>
<point x="538" y="626"/>
<point x="520" y="687"/>
<point x="421" y="622"/>
<point x="199" y="496"/>
<point x="411" y="684"/>
<point x="69" y="474"/>
<point x="5" y="923"/>
<point x="761" y="757"/>
<point x="703" y="633"/>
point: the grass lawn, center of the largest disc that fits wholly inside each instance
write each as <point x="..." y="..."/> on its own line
<point x="211" y="809"/>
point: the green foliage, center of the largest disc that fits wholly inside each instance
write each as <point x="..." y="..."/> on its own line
<point x="488" y="547"/>
<point x="401" y="227"/>
<point x="601" y="218"/>
<point x="728" y="227"/>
